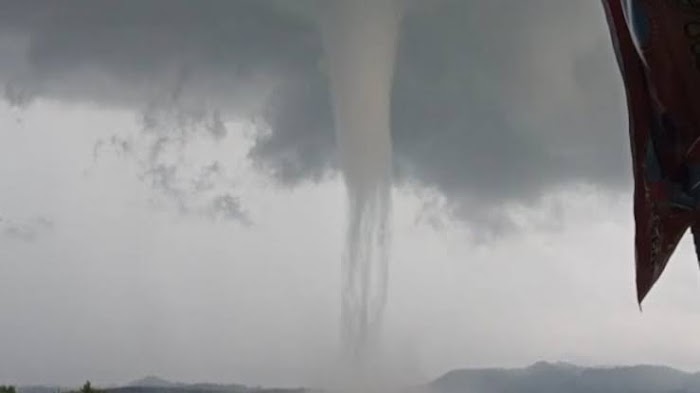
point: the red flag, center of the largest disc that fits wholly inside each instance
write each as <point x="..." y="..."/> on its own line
<point x="657" y="44"/>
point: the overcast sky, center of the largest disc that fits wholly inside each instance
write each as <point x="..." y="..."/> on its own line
<point x="169" y="202"/>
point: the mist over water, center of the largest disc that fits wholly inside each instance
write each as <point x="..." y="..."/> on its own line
<point x="360" y="39"/>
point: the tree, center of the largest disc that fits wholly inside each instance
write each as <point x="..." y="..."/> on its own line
<point x="87" y="388"/>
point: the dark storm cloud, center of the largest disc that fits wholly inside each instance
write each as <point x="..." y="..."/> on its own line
<point x="494" y="101"/>
<point x="131" y="50"/>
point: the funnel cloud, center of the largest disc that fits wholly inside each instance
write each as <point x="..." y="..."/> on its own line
<point x="360" y="42"/>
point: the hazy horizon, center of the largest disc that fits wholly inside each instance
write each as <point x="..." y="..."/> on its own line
<point x="147" y="380"/>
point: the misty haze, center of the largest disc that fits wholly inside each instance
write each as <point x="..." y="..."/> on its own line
<point x="344" y="196"/>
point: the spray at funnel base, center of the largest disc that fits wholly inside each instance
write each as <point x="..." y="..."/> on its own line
<point x="360" y="41"/>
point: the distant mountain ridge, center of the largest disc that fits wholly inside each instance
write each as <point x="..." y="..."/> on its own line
<point x="152" y="382"/>
<point x="543" y="377"/>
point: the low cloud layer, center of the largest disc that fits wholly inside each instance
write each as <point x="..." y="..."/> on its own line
<point x="494" y="102"/>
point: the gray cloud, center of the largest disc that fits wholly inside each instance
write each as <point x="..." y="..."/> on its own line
<point x="228" y="207"/>
<point x="26" y="230"/>
<point x="494" y="102"/>
<point x="204" y="190"/>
